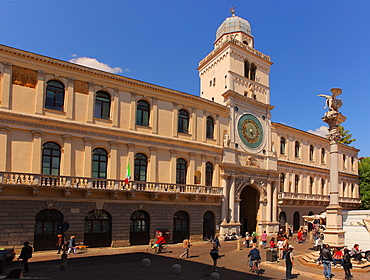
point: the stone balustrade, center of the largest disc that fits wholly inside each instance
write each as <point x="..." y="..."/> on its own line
<point x="316" y="197"/>
<point x="13" y="178"/>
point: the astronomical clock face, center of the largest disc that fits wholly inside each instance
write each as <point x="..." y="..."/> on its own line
<point x="250" y="131"/>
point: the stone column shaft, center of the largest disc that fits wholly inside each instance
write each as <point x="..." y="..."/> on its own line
<point x="232" y="200"/>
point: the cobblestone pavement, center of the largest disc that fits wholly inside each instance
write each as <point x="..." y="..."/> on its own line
<point x="125" y="263"/>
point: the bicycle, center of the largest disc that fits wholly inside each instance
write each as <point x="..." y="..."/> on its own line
<point x="256" y="268"/>
<point x="154" y="249"/>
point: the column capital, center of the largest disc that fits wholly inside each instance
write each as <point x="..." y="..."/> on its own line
<point x="4" y="128"/>
<point x="113" y="143"/>
<point x="130" y="146"/>
<point x="153" y="149"/>
<point x="173" y="152"/>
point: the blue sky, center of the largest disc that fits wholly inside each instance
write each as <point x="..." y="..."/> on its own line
<point x="315" y="45"/>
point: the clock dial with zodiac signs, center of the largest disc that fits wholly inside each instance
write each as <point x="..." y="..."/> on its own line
<point x="250" y="131"/>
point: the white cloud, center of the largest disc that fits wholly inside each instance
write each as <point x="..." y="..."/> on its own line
<point x="321" y="131"/>
<point x="94" y="63"/>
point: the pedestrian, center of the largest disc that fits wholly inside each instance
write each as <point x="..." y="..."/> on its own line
<point x="247" y="238"/>
<point x="26" y="254"/>
<point x="326" y="258"/>
<point x="289" y="262"/>
<point x="72" y="245"/>
<point x="280" y="246"/>
<point x="215" y="256"/>
<point x="264" y="239"/>
<point x="254" y="238"/>
<point x="60" y="243"/>
<point x="285" y="246"/>
<point x="338" y="256"/>
<point x="186" y="245"/>
<point x="272" y="243"/>
<point x="217" y="242"/>
<point x="290" y="233"/>
<point x="347" y="265"/>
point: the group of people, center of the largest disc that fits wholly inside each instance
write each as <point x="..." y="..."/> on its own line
<point x="327" y="257"/>
<point x="71" y="244"/>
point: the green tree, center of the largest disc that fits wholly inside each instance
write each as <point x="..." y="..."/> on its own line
<point x="364" y="182"/>
<point x="346" y="136"/>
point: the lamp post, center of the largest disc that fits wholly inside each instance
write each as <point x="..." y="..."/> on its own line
<point x="334" y="233"/>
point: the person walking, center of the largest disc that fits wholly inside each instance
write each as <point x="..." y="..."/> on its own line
<point x="26" y="254"/>
<point x="72" y="245"/>
<point x="186" y="245"/>
<point x="217" y="242"/>
<point x="289" y="262"/>
<point x="347" y="265"/>
<point x="326" y="258"/>
<point x="60" y="243"/>
<point x="254" y="238"/>
<point x="215" y="256"/>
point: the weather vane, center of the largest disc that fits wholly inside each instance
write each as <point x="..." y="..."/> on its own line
<point x="232" y="10"/>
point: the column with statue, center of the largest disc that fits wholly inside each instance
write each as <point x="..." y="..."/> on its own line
<point x="334" y="233"/>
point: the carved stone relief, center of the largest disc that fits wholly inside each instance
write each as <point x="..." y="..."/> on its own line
<point x="24" y="77"/>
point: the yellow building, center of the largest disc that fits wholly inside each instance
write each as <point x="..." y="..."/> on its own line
<point x="200" y="165"/>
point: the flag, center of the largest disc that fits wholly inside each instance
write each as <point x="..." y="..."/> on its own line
<point x="128" y="173"/>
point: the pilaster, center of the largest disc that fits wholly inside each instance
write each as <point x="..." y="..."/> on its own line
<point x="36" y="151"/>
<point x="91" y="103"/>
<point x="6" y="84"/>
<point x="70" y="99"/>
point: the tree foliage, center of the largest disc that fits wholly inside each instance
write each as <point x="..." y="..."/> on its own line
<point x="346" y="136"/>
<point x="364" y="182"/>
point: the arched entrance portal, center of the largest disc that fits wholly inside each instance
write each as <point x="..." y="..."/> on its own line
<point x="180" y="226"/>
<point x="139" y="228"/>
<point x="98" y="229"/>
<point x="208" y="225"/>
<point x="46" y="229"/>
<point x="249" y="205"/>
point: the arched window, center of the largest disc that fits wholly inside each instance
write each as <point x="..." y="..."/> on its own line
<point x="209" y="174"/>
<point x="51" y="159"/>
<point x="311" y="186"/>
<point x="210" y="127"/>
<point x="296" y="149"/>
<point x="282" y="145"/>
<point x="353" y="163"/>
<point x="311" y="153"/>
<point x="323" y="154"/>
<point x="282" y="181"/>
<point x="344" y="162"/>
<point x="102" y="105"/>
<point x="253" y="72"/>
<point x="181" y="168"/>
<point x="54" y="95"/>
<point x="99" y="163"/>
<point x="142" y="113"/>
<point x="296" y="183"/>
<point x="246" y="68"/>
<point x="296" y="221"/>
<point x="183" y="121"/>
<point x="141" y="164"/>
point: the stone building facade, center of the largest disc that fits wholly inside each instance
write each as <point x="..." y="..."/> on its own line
<point x="199" y="166"/>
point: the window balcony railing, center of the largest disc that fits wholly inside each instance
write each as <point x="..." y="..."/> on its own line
<point x="12" y="178"/>
<point x="316" y="197"/>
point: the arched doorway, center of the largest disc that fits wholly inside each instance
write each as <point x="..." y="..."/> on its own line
<point x="296" y="221"/>
<point x="208" y="224"/>
<point x="180" y="226"/>
<point x="139" y="228"/>
<point x="98" y="229"/>
<point x="248" y="209"/>
<point x="282" y="221"/>
<point x="46" y="229"/>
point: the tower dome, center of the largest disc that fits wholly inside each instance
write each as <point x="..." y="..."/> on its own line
<point x="234" y="24"/>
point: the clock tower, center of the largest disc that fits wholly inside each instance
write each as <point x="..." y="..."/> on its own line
<point x="237" y="75"/>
